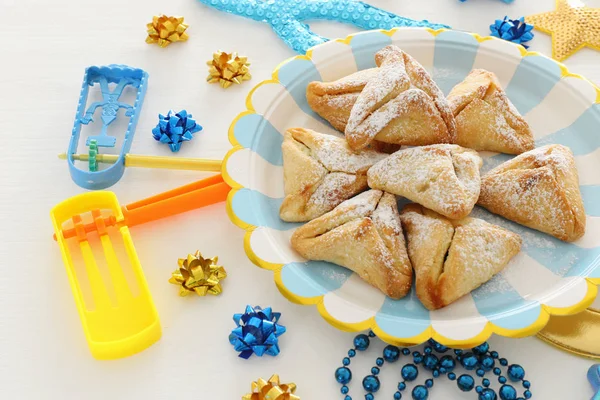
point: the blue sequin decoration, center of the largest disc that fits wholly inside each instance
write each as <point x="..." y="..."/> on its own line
<point x="287" y="17"/>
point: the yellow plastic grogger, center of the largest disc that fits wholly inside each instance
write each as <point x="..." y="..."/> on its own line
<point x="127" y="323"/>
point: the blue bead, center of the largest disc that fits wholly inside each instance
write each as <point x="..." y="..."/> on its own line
<point x="429" y="383"/>
<point x="502" y="379"/>
<point x="417" y="357"/>
<point x="343" y="375"/>
<point x="409" y="372"/>
<point x="406" y="351"/>
<point x="379" y="362"/>
<point x="526" y="384"/>
<point x="487" y="362"/>
<point x="465" y="382"/>
<point x="458" y="352"/>
<point x="448" y="363"/>
<point x="371" y="383"/>
<point x="442" y="370"/>
<point x="487" y="394"/>
<point x="481" y="349"/>
<point x="427" y="350"/>
<point x="440" y="348"/>
<point x="507" y="392"/>
<point x="527" y="394"/>
<point x="436" y="373"/>
<point x="361" y="342"/>
<point x="371" y="334"/>
<point x="397" y="396"/>
<point x="401" y="386"/>
<point x="503" y="362"/>
<point x="369" y="396"/>
<point x="347" y="398"/>
<point x="344" y="389"/>
<point x="452" y="376"/>
<point x="420" y="392"/>
<point x="375" y="371"/>
<point x="516" y="373"/>
<point x="346" y="361"/>
<point x="480" y="373"/>
<point x="351" y="353"/>
<point x="497" y="371"/>
<point x="430" y="361"/>
<point x="486" y="382"/>
<point x="494" y="354"/>
<point x="479" y="389"/>
<point x="391" y="353"/>
<point x="469" y="361"/>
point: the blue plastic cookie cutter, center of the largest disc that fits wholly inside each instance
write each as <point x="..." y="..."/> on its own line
<point x="286" y="17"/>
<point x="594" y="378"/>
<point x="121" y="76"/>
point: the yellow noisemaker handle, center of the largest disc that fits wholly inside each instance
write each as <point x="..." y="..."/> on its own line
<point x="132" y="160"/>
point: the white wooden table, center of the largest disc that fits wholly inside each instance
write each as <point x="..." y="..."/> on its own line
<point x="43" y="353"/>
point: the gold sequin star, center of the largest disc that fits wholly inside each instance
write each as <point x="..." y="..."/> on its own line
<point x="572" y="25"/>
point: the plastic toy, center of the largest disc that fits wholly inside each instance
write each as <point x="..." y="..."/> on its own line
<point x="124" y="325"/>
<point x="122" y="76"/>
<point x="133" y="160"/>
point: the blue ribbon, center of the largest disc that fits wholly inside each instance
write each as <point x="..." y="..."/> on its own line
<point x="513" y="30"/>
<point x="175" y="128"/>
<point x="257" y="332"/>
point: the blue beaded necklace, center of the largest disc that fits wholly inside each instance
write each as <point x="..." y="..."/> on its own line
<point x="480" y="359"/>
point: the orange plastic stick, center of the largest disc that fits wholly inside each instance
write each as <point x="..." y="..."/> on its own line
<point x="185" y="198"/>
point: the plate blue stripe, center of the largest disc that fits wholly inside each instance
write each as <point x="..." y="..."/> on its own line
<point x="295" y="75"/>
<point x="495" y="297"/>
<point x="591" y="199"/>
<point x="403" y="318"/>
<point x="256" y="209"/>
<point x="454" y="56"/>
<point x="582" y="136"/>
<point x="534" y="78"/>
<point x="254" y="132"/>
<point x="313" y="278"/>
<point x="364" y="47"/>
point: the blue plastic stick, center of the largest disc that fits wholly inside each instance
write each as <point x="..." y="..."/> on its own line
<point x="594" y="378"/>
<point x="287" y="17"/>
<point x="122" y="76"/>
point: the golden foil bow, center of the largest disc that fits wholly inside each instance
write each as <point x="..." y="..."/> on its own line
<point x="165" y="30"/>
<point x="271" y="390"/>
<point x="198" y="274"/>
<point x="228" y="68"/>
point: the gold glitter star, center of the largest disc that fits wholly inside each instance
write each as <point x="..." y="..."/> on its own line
<point x="572" y="25"/>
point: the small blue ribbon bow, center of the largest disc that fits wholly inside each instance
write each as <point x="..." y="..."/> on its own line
<point x="175" y="128"/>
<point x="513" y="30"/>
<point x="257" y="332"/>
<point x="594" y="378"/>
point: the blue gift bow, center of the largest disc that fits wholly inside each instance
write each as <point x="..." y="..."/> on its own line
<point x="594" y="378"/>
<point x="513" y="30"/>
<point x="257" y="332"/>
<point x="286" y="16"/>
<point x="175" y="128"/>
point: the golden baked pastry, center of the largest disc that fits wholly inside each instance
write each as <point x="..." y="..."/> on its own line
<point x="397" y="103"/>
<point x="453" y="257"/>
<point x="485" y="117"/>
<point x="538" y="189"/>
<point x="320" y="171"/>
<point x="442" y="177"/>
<point x="363" y="234"/>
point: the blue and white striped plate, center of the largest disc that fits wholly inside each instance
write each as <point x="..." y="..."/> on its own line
<point x="548" y="277"/>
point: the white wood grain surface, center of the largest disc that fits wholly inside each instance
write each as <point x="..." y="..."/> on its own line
<point x="45" y="46"/>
